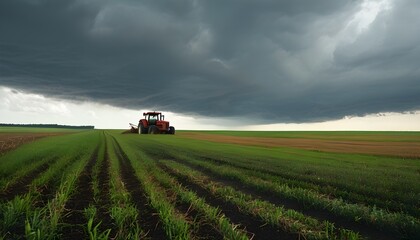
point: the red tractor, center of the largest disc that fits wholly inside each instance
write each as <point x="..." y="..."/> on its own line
<point x="154" y="123"/>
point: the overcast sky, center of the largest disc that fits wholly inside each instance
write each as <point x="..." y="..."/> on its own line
<point x="255" y="61"/>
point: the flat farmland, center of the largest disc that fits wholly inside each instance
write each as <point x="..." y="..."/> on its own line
<point x="102" y="184"/>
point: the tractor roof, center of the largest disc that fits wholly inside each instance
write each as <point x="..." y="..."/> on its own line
<point x="151" y="113"/>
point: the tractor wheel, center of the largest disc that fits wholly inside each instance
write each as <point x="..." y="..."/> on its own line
<point x="171" y="130"/>
<point x="153" y="130"/>
<point x="142" y="129"/>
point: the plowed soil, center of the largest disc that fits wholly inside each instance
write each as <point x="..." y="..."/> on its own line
<point x="389" y="148"/>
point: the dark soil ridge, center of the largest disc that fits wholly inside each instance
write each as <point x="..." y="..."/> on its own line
<point x="21" y="186"/>
<point x="276" y="174"/>
<point x="148" y="218"/>
<point x="255" y="228"/>
<point x="74" y="221"/>
<point x="202" y="229"/>
<point x="365" y="230"/>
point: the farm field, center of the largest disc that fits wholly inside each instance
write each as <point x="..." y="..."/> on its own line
<point x="12" y="137"/>
<point x="101" y="184"/>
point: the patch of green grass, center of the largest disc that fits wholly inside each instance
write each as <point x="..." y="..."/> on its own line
<point x="51" y="147"/>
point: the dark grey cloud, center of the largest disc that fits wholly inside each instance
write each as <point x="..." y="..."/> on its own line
<point x="265" y="60"/>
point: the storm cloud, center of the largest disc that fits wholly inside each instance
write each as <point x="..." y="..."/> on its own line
<point x="263" y="60"/>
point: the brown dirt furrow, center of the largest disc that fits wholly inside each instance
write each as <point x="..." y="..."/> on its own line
<point x="395" y="149"/>
<point x="148" y="218"/>
<point x="365" y="230"/>
<point x="255" y="228"/>
<point x="22" y="185"/>
<point x="74" y="221"/>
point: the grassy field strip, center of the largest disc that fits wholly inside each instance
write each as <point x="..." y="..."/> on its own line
<point x="379" y="218"/>
<point x="289" y="220"/>
<point x="211" y="214"/>
<point x="122" y="210"/>
<point x="332" y="172"/>
<point x="17" y="164"/>
<point x="46" y="147"/>
<point x="176" y="227"/>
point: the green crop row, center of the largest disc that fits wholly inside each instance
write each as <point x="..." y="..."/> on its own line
<point x="122" y="210"/>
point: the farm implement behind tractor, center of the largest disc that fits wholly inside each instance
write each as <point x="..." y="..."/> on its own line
<point x="152" y="123"/>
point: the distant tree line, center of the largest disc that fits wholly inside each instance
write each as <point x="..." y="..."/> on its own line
<point x="45" y="126"/>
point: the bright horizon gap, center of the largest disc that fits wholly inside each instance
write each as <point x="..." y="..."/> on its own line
<point x="18" y="107"/>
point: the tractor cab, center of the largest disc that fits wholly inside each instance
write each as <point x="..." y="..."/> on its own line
<point x="153" y="117"/>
